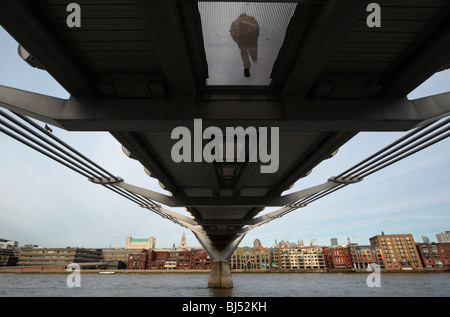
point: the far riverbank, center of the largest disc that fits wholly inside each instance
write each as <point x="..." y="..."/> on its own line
<point x="62" y="270"/>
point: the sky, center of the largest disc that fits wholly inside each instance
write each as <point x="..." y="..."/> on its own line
<point x="47" y="204"/>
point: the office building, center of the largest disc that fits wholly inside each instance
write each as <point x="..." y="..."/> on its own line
<point x="363" y="256"/>
<point x="8" y="257"/>
<point x="246" y="258"/>
<point x="117" y="258"/>
<point x="58" y="256"/>
<point x="443" y="237"/>
<point x="310" y="258"/>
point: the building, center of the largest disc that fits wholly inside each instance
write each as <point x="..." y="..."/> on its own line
<point x="444" y="251"/>
<point x="256" y="258"/>
<point x="183" y="242"/>
<point x="443" y="237"/>
<point x="362" y="256"/>
<point x="337" y="257"/>
<point x="434" y="255"/>
<point x="140" y="244"/>
<point x="117" y="258"/>
<point x="287" y="255"/>
<point x="172" y="259"/>
<point x="8" y="244"/>
<point x="200" y="260"/>
<point x="181" y="258"/>
<point x="157" y="259"/>
<point x="289" y="259"/>
<point x="8" y="257"/>
<point x="60" y="257"/>
<point x="398" y="251"/>
<point x="169" y="259"/>
<point x="246" y="258"/>
<point x="138" y="261"/>
<point x="310" y="258"/>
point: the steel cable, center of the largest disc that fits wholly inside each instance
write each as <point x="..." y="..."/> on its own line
<point x="47" y="148"/>
<point x="27" y="143"/>
<point x="389" y="155"/>
<point x="391" y="148"/>
<point x="79" y="156"/>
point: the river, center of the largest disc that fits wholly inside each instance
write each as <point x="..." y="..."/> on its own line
<point x="245" y="285"/>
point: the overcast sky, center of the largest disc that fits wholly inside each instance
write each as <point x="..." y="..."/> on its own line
<point x="44" y="203"/>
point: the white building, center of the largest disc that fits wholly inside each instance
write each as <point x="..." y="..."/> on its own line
<point x="443" y="237"/>
<point x="311" y="258"/>
<point x="147" y="244"/>
<point x="8" y="244"/>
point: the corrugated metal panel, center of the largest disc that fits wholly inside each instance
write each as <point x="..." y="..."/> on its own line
<point x="293" y="147"/>
<point x="373" y="50"/>
<point x="112" y="37"/>
<point x="194" y="178"/>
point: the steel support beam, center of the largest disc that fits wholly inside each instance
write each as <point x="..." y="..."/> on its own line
<point x="173" y="52"/>
<point x="228" y="201"/>
<point x="164" y="115"/>
<point x="27" y="22"/>
<point x="327" y="32"/>
<point x="427" y="58"/>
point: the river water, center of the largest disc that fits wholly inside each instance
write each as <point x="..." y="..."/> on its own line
<point x="245" y="285"/>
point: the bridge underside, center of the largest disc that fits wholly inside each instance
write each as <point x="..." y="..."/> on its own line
<point x="139" y="69"/>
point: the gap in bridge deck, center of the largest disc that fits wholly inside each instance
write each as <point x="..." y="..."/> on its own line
<point x="225" y="64"/>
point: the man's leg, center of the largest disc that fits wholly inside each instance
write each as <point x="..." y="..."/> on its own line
<point x="245" y="60"/>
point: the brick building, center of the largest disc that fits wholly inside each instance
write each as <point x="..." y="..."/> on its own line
<point x="398" y="250"/>
<point x="337" y="257"/>
<point x="173" y="259"/>
<point x="138" y="261"/>
<point x="200" y="260"/>
<point x="434" y="255"/>
<point x="158" y="259"/>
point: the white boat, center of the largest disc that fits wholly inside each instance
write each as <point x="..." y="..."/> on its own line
<point x="107" y="272"/>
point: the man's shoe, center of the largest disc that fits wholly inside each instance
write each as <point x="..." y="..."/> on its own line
<point x="246" y="72"/>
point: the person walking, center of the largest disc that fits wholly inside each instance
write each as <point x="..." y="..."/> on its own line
<point x="245" y="32"/>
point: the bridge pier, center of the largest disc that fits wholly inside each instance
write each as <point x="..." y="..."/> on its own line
<point x="220" y="275"/>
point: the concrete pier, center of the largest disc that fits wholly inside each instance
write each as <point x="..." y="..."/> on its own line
<point x="220" y="275"/>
